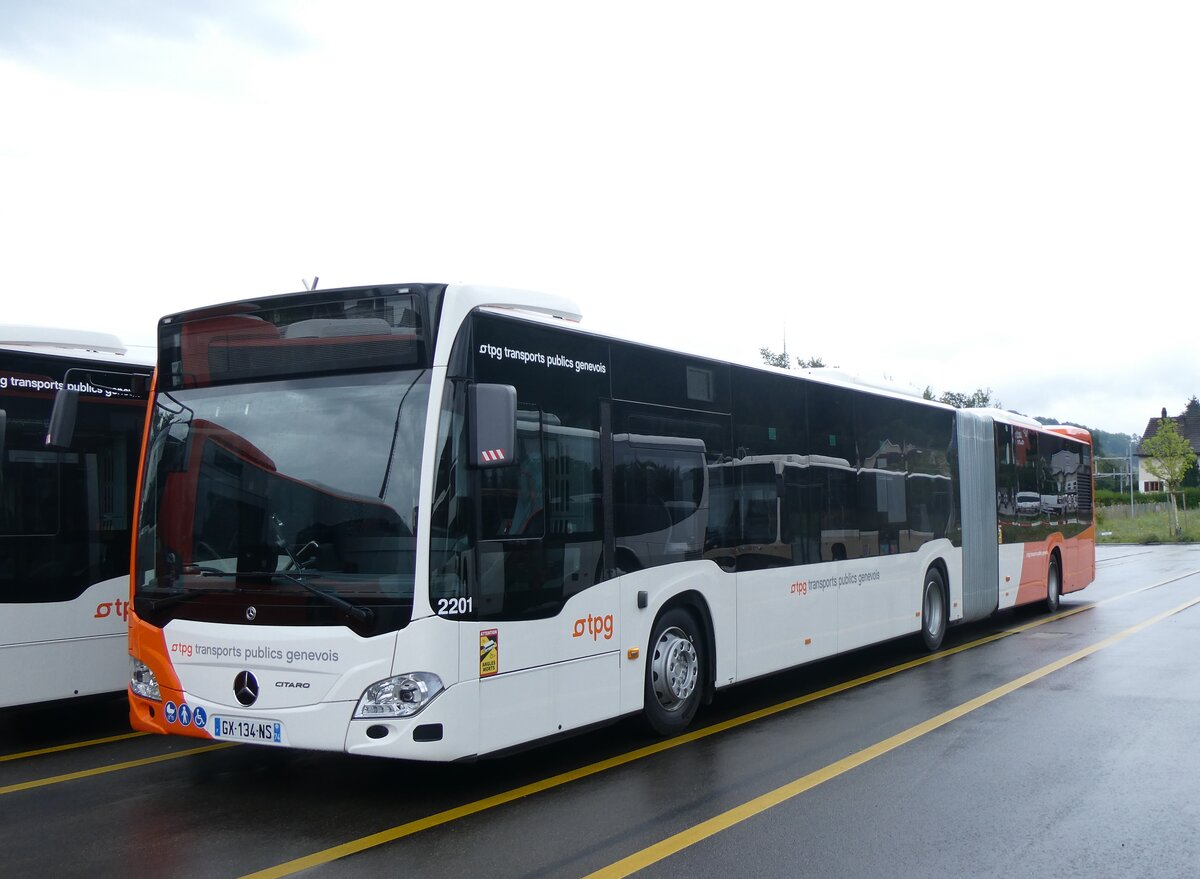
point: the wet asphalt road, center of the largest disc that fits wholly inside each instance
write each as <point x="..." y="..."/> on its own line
<point x="1067" y="746"/>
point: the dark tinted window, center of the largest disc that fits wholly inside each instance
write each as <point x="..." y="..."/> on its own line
<point x="661" y="482"/>
<point x="512" y="499"/>
<point x="1083" y="485"/>
<point x="540" y="521"/>
<point x="1043" y="484"/>
<point x="769" y="415"/>
<point x="932" y="465"/>
<point x="667" y="379"/>
<point x="65" y="516"/>
<point x="796" y="473"/>
<point x="1065" y="483"/>
<point x="880" y="428"/>
<point x="831" y="422"/>
<point x="317" y="333"/>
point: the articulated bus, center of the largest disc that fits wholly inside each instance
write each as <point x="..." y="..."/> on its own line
<point x="438" y="522"/>
<point x="66" y="516"/>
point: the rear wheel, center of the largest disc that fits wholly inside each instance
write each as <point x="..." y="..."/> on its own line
<point x="933" y="609"/>
<point x="675" y="664"/>
<point x="1053" y="586"/>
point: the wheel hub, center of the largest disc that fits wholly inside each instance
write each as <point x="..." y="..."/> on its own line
<point x="676" y="669"/>
<point x="933" y="610"/>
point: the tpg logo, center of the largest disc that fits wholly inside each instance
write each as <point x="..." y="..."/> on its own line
<point x="106" y="609"/>
<point x="594" y="626"/>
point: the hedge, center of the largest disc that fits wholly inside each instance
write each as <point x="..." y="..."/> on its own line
<point x="1106" y="497"/>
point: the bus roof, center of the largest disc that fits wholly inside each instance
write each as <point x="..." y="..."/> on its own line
<point x="62" y="341"/>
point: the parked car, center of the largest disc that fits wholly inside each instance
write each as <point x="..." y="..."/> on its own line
<point x="1052" y="503"/>
<point x="1029" y="503"/>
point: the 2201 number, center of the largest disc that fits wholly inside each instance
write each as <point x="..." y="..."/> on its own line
<point x="453" y="606"/>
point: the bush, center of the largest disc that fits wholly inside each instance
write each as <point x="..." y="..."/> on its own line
<point x="1104" y="496"/>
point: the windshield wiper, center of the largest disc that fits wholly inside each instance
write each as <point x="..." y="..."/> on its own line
<point x="170" y="598"/>
<point x="362" y="614"/>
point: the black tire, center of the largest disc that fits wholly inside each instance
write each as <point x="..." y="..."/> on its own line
<point x="676" y="664"/>
<point x="933" y="609"/>
<point x="1053" y="586"/>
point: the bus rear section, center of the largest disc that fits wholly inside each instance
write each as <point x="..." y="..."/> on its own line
<point x="1019" y="550"/>
<point x="66" y="514"/>
<point x="1044" y="511"/>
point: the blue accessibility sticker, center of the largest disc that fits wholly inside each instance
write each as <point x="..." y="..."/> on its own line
<point x="169" y="711"/>
<point x="199" y="718"/>
<point x="185" y="714"/>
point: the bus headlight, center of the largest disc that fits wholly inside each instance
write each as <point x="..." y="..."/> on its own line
<point x="142" y="680"/>
<point x="400" y="696"/>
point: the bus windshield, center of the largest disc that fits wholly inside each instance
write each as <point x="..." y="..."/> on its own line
<point x="297" y="497"/>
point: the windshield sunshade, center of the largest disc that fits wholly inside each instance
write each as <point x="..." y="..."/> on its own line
<point x="319" y="334"/>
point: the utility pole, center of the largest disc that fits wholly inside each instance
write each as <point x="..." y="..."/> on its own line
<point x="1132" y="477"/>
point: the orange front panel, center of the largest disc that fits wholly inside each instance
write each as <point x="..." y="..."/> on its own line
<point x="148" y="644"/>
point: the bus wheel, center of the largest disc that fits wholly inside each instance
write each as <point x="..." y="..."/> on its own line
<point x="1053" y="586"/>
<point x="933" y="609"/>
<point x="674" y="664"/>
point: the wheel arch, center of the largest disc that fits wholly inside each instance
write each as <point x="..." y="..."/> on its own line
<point x="695" y="603"/>
<point x="938" y="564"/>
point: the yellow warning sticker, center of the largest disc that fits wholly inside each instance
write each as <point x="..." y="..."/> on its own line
<point x="489" y="652"/>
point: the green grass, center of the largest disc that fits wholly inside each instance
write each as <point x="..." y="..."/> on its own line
<point x="1146" y="528"/>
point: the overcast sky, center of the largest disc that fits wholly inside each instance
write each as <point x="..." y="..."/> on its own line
<point x="959" y="195"/>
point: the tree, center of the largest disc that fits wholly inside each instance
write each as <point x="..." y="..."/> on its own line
<point x="1169" y="456"/>
<point x="980" y="399"/>
<point x="770" y="358"/>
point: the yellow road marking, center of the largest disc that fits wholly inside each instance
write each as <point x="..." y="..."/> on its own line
<point x="116" y="767"/>
<point x="70" y="747"/>
<point x="447" y="816"/>
<point x="400" y="831"/>
<point x="674" y="844"/>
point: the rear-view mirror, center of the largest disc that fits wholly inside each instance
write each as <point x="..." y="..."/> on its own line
<point x="492" y="420"/>
<point x="61" y="432"/>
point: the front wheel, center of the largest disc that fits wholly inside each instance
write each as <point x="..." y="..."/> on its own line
<point x="933" y="609"/>
<point x="675" y="663"/>
<point x="1053" y="587"/>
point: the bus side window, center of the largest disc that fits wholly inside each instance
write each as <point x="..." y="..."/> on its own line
<point x="805" y="499"/>
<point x="512" y="499"/>
<point x="659" y="510"/>
<point x="541" y="540"/>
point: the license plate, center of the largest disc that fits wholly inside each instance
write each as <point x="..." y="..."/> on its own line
<point x="248" y="729"/>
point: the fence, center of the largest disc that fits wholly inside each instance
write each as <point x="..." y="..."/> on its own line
<point x="1123" y="511"/>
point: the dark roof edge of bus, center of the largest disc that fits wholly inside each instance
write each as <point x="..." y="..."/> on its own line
<point x="840" y="380"/>
<point x="326" y="294"/>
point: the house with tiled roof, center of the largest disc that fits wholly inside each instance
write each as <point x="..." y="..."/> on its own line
<point x="1189" y="428"/>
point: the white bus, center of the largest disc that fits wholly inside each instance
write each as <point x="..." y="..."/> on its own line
<point x="66" y="515"/>
<point x="438" y="522"/>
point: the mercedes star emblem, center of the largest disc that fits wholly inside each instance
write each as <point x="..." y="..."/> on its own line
<point x="245" y="687"/>
<point x="251" y="613"/>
